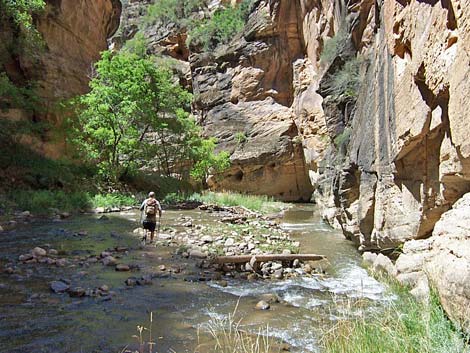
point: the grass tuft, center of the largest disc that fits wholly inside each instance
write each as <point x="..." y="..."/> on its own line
<point x="405" y="326"/>
<point x="259" y="203"/>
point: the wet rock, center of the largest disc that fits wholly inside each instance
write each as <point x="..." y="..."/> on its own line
<point x="109" y="261"/>
<point x="251" y="277"/>
<point x="122" y="268"/>
<point x="278" y="274"/>
<point x="25" y="257"/>
<point x="64" y="215"/>
<point x="296" y="263"/>
<point x="106" y="298"/>
<point x="131" y="281"/>
<point x="53" y="252"/>
<point x="100" y="210"/>
<point x="76" y="292"/>
<point x="262" y="305"/>
<point x="104" y="288"/>
<point x="144" y="280"/>
<point x="197" y="254"/>
<point x="103" y="218"/>
<point x="187" y="224"/>
<point x="82" y="233"/>
<point x="286" y="252"/>
<point x="38" y="252"/>
<point x="121" y="249"/>
<point x="59" y="286"/>
<point x="270" y="298"/>
<point x="162" y="268"/>
<point x="61" y="262"/>
<point x="9" y="270"/>
<point x="308" y="268"/>
<point x="105" y="254"/>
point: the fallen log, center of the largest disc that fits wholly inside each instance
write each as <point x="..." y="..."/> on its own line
<point x="238" y="259"/>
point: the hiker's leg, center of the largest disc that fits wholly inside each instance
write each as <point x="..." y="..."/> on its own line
<point x="152" y="233"/>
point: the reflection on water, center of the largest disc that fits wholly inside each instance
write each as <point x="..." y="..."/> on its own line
<point x="33" y="319"/>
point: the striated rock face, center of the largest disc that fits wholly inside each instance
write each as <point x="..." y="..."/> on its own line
<point x="244" y="96"/>
<point x="74" y="34"/>
<point x="407" y="158"/>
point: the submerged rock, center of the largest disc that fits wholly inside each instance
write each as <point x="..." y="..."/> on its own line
<point x="77" y="292"/>
<point x="59" y="286"/>
<point x="122" y="268"/>
<point x="262" y="305"/>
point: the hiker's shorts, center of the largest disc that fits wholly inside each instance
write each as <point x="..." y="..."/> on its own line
<point x="149" y="225"/>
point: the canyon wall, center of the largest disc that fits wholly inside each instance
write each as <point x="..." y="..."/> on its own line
<point x="73" y="32"/>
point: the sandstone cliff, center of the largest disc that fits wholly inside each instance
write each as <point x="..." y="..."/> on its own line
<point x="74" y="33"/>
<point x="386" y="160"/>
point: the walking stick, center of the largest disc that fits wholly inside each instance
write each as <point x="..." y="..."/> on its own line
<point x="144" y="238"/>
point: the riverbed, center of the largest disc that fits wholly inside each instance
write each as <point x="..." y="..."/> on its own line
<point x="33" y="319"/>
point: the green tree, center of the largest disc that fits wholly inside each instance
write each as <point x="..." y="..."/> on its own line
<point x="136" y="115"/>
<point x="129" y="97"/>
<point x="207" y="162"/>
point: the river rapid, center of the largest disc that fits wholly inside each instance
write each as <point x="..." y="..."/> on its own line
<point x="33" y="319"/>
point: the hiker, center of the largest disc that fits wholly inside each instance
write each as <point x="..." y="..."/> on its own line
<point x="150" y="207"/>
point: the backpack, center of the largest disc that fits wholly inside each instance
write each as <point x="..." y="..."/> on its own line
<point x="151" y="207"/>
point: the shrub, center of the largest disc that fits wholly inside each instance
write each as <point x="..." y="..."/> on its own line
<point x="345" y="82"/>
<point x="240" y="137"/>
<point x="113" y="200"/>
<point x="224" y="24"/>
<point x="41" y="202"/>
<point x="334" y="46"/>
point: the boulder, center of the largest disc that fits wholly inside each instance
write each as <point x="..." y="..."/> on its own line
<point x="38" y="252"/>
<point x="25" y="257"/>
<point x="109" y="261"/>
<point x="368" y="258"/>
<point x="383" y="263"/>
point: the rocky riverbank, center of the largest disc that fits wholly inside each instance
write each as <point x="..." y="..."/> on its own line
<point x="190" y="247"/>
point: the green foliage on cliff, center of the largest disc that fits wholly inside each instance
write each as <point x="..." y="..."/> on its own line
<point x="334" y="46"/>
<point x="136" y="116"/>
<point x="221" y="27"/>
<point x="205" y="30"/>
<point x="178" y="12"/>
<point x="346" y="81"/>
<point x="21" y="11"/>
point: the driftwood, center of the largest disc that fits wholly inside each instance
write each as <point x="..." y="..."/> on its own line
<point x="238" y="259"/>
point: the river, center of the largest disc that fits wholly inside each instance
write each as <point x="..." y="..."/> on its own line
<point x="33" y="319"/>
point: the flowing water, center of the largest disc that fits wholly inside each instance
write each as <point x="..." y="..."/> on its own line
<point x="32" y="319"/>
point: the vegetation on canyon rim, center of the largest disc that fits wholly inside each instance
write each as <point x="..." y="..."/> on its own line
<point x="207" y="32"/>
